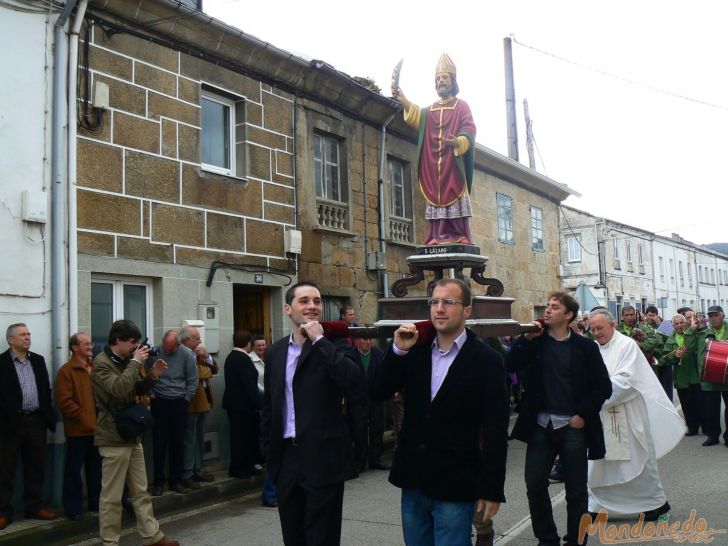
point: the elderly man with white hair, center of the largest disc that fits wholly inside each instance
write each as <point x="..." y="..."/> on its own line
<point x="627" y="481"/>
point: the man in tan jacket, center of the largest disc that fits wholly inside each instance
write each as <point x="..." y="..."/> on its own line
<point x="118" y="383"/>
<point x="197" y="410"/>
<point x="75" y="398"/>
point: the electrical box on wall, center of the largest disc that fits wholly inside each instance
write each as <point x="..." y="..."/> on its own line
<point x="35" y="206"/>
<point x="101" y="96"/>
<point x="292" y="240"/>
<point x="210" y="314"/>
<point x="376" y="261"/>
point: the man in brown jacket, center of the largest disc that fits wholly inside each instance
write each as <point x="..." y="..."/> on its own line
<point x="197" y="410"/>
<point x="75" y="399"/>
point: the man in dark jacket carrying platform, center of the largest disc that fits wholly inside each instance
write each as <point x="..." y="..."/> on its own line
<point x="568" y="384"/>
<point x="456" y="396"/>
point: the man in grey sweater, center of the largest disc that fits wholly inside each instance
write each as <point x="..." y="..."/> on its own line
<point x="173" y="391"/>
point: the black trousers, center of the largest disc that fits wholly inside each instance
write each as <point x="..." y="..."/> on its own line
<point x="81" y="453"/>
<point x="310" y="514"/>
<point x="711" y="417"/>
<point x="664" y="375"/>
<point x="570" y="445"/>
<point x="366" y="425"/>
<point x="244" y="442"/>
<point x="28" y="441"/>
<point x="691" y="400"/>
<point x="170" y="420"/>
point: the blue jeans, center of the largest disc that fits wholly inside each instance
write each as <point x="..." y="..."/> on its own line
<point x="430" y="522"/>
<point x="269" y="490"/>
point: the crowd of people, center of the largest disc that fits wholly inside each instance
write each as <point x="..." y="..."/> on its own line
<point x="309" y="411"/>
<point x="173" y="381"/>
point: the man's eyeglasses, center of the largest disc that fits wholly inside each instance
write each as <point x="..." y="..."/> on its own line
<point x="447" y="302"/>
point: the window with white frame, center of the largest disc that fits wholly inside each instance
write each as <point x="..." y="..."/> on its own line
<point x="641" y="257"/>
<point x="217" y="137"/>
<point x="661" y="262"/>
<point x="327" y="167"/>
<point x="401" y="227"/>
<point x="573" y="248"/>
<point x="505" y="218"/>
<point x="617" y="253"/>
<point x="712" y="276"/>
<point x="700" y="273"/>
<point x="536" y="228"/>
<point x="628" y="248"/>
<point x="114" y="299"/>
<point x="672" y="270"/>
<point x="680" y="271"/>
<point x="690" y="275"/>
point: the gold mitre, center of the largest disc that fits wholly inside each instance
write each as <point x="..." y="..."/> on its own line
<point x="445" y="64"/>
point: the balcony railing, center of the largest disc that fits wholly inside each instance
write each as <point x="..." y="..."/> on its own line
<point x="400" y="230"/>
<point x="332" y="214"/>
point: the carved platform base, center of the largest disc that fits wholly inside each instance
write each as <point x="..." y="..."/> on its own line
<point x="438" y="263"/>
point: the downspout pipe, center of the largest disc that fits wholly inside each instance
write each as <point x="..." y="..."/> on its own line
<point x="382" y="174"/>
<point x="58" y="169"/>
<point x="72" y="181"/>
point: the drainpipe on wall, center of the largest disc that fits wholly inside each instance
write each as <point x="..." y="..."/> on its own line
<point x="58" y="263"/>
<point x="72" y="152"/>
<point x="380" y="188"/>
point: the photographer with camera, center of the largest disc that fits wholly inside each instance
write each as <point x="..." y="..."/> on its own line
<point x="118" y="383"/>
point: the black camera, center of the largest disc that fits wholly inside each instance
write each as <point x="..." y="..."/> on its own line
<point x="153" y="351"/>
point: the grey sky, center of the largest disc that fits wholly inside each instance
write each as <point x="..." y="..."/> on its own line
<point x="636" y="155"/>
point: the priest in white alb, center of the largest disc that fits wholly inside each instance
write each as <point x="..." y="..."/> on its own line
<point x="627" y="481"/>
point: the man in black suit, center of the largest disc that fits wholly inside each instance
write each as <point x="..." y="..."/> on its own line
<point x="25" y="414"/>
<point x="369" y="428"/>
<point x="567" y="385"/>
<point x="303" y="431"/>
<point x="241" y="400"/>
<point x="452" y="449"/>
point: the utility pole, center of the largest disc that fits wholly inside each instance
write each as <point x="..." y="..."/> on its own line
<point x="529" y="136"/>
<point x="510" y="101"/>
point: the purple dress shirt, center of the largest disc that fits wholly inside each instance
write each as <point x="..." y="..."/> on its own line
<point x="441" y="361"/>
<point x="289" y="410"/>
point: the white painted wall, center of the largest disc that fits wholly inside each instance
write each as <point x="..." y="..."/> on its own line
<point x="25" y="118"/>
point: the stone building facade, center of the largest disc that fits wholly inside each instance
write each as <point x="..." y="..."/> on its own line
<point x="217" y="153"/>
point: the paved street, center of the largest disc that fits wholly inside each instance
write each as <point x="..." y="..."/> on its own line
<point x="695" y="477"/>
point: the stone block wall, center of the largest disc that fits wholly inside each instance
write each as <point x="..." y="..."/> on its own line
<point x="142" y="191"/>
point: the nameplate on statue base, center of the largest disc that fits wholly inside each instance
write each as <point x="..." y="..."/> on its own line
<point x="429" y="250"/>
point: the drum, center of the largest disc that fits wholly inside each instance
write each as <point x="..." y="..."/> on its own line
<point x="715" y="368"/>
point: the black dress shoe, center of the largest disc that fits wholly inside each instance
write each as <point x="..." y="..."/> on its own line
<point x="156" y="491"/>
<point x="653" y="515"/>
<point x="711" y="441"/>
<point x="379" y="465"/>
<point x="179" y="488"/>
<point x="73" y="517"/>
<point x="270" y="504"/>
<point x="691" y="432"/>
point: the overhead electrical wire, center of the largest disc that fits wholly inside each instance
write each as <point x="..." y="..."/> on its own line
<point x="618" y="77"/>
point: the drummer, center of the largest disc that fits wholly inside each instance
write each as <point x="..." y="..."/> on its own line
<point x="712" y="392"/>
